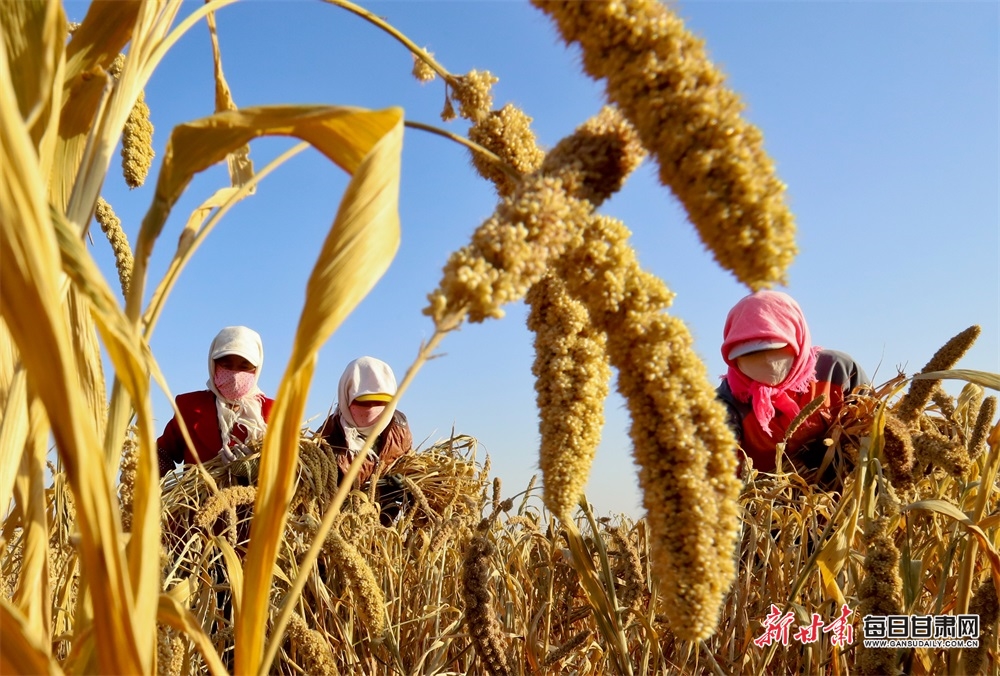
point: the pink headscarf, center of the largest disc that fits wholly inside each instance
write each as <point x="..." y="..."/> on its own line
<point x="770" y="316"/>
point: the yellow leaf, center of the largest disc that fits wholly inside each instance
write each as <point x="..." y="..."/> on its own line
<point x="982" y="378"/>
<point x="172" y="613"/>
<point x="31" y="305"/>
<point x="18" y="654"/>
<point x="357" y="251"/>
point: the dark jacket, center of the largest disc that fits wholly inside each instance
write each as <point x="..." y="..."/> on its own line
<point x="395" y="441"/>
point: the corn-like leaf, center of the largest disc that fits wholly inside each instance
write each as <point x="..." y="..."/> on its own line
<point x="172" y="613"/>
<point x="31" y="305"/>
<point x="132" y="362"/>
<point x="101" y="36"/>
<point x="234" y="570"/>
<point x="19" y="654"/>
<point x="13" y="435"/>
<point x="33" y="29"/>
<point x="981" y="378"/>
<point x="357" y="251"/>
<point x="29" y="491"/>
<point x="240" y="164"/>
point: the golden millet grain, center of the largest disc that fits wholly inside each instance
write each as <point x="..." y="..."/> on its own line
<point x="984" y="420"/>
<point x="507" y="133"/>
<point x="571" y="381"/>
<point x="111" y="226"/>
<point x="169" y="651"/>
<point x="681" y="440"/>
<point x="472" y="91"/>
<point x="944" y="402"/>
<point x="137" y="144"/>
<point x="984" y="603"/>
<point x="482" y="620"/>
<point x="634" y="590"/>
<point x="897" y="452"/>
<point x="512" y="249"/>
<point x="418" y="496"/>
<point x="126" y="481"/>
<point x="315" y="653"/>
<point x="881" y="593"/>
<point x="115" y="69"/>
<point x="509" y="252"/>
<point x="421" y="70"/>
<point x="224" y="502"/>
<point x="660" y="76"/>
<point x="360" y="580"/>
<point x="566" y="648"/>
<point x="915" y="400"/>
<point x="933" y="448"/>
<point x="596" y="159"/>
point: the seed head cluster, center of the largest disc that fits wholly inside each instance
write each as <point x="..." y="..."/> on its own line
<point x="370" y="601"/>
<point x="137" y="144"/>
<point x="915" y="400"/>
<point x="506" y="133"/>
<point x="596" y="159"/>
<point x="681" y="441"/>
<point x="169" y="651"/>
<point x="572" y="373"/>
<point x="422" y="71"/>
<point x="480" y="617"/>
<point x="984" y="420"/>
<point x="509" y="252"/>
<point x="225" y="503"/>
<point x="898" y="452"/>
<point x="881" y="593"/>
<point x="512" y="249"/>
<point x="312" y="648"/>
<point x="111" y="226"/>
<point x="126" y="487"/>
<point x="933" y="449"/>
<point x="660" y="76"/>
<point x="472" y="91"/>
<point x="984" y="604"/>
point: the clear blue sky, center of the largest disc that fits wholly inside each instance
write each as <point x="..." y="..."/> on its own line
<point x="882" y="118"/>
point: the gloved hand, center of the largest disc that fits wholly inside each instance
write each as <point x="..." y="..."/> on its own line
<point x="233" y="453"/>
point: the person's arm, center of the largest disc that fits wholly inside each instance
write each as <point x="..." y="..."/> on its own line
<point x="734" y="417"/>
<point x="840" y="369"/>
<point x="170" y="447"/>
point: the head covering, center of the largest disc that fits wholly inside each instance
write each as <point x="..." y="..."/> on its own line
<point x="246" y="411"/>
<point x="367" y="379"/>
<point x="769" y="318"/>
<point x="750" y="346"/>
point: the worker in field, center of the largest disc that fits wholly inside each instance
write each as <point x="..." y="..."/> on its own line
<point x="230" y="413"/>
<point x="774" y="372"/>
<point x="366" y="386"/>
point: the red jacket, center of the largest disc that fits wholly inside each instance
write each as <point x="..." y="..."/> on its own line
<point x="202" y="420"/>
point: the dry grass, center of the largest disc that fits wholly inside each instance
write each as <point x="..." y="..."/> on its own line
<point x="802" y="549"/>
<point x="271" y="566"/>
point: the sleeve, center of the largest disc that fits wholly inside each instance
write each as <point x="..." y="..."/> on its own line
<point x="397" y="440"/>
<point x="839" y="368"/>
<point x="733" y="416"/>
<point x="170" y="447"/>
<point x="327" y="427"/>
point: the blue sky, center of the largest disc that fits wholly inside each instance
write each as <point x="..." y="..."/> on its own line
<point x="881" y="117"/>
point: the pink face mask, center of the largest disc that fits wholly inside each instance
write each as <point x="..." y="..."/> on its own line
<point x="234" y="385"/>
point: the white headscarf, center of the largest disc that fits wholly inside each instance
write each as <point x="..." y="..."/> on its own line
<point x="364" y="375"/>
<point x="246" y="343"/>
